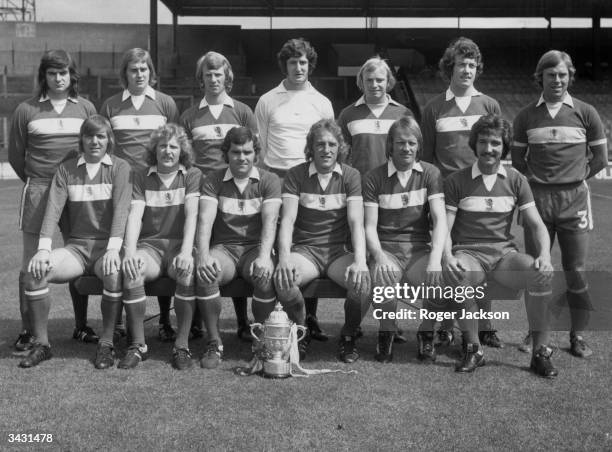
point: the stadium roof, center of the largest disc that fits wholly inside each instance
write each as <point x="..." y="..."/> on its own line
<point x="392" y="8"/>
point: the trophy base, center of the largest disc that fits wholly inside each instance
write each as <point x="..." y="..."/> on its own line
<point x="276" y="369"/>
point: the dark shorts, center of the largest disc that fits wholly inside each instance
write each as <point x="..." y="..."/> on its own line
<point x="161" y="251"/>
<point x="239" y="254"/>
<point x="488" y="255"/>
<point x="405" y="254"/>
<point x="564" y="207"/>
<point x="33" y="204"/>
<point x="321" y="256"/>
<point x="87" y="251"/>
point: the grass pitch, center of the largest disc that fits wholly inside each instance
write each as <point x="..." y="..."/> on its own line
<point x="403" y="405"/>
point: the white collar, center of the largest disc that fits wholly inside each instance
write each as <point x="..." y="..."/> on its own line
<point x="106" y="160"/>
<point x="253" y="174"/>
<point x="226" y="101"/>
<point x="312" y="169"/>
<point x="149" y="92"/>
<point x="391" y="169"/>
<point x="45" y="98"/>
<point x="281" y="88"/>
<point x="476" y="171"/>
<point x="153" y="169"/>
<point x="471" y="93"/>
<point x="362" y="101"/>
<point x="567" y="100"/>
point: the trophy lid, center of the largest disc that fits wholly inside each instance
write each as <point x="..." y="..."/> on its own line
<point x="278" y="316"/>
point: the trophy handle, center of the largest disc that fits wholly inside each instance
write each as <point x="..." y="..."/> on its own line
<point x="303" y="330"/>
<point x="256" y="326"/>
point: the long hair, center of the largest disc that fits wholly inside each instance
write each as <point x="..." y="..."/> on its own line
<point x="331" y="126"/>
<point x="296" y="47"/>
<point x="551" y="59"/>
<point x="93" y="125"/>
<point x="214" y="60"/>
<point x="57" y="59"/>
<point x="488" y="125"/>
<point x="239" y="135"/>
<point x="464" y="48"/>
<point x="166" y="133"/>
<point x="370" y="66"/>
<point x="136" y="55"/>
<point x="408" y="124"/>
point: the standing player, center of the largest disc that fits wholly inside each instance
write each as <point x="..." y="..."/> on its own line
<point x="95" y="190"/>
<point x="400" y="197"/>
<point x="134" y="114"/>
<point x="322" y="208"/>
<point x="236" y="231"/>
<point x="480" y="204"/>
<point x="207" y="124"/>
<point x="44" y="132"/>
<point x="559" y="142"/>
<point x="446" y="123"/>
<point x="159" y="238"/>
<point x="284" y="116"/>
<point x="366" y="122"/>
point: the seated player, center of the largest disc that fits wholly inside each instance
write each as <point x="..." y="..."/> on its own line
<point x="400" y="198"/>
<point x="95" y="190"/>
<point x="236" y="231"/>
<point x="159" y="238"/>
<point x="480" y="203"/>
<point x="322" y="209"/>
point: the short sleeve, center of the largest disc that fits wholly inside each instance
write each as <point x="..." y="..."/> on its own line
<point x="192" y="182"/>
<point x="371" y="188"/>
<point x="523" y="192"/>
<point x="352" y="183"/>
<point x="271" y="189"/>
<point x="451" y="192"/>
<point x="138" y="185"/>
<point x="433" y="183"/>
<point x="210" y="185"/>
<point x="292" y="185"/>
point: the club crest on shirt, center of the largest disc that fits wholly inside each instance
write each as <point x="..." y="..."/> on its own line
<point x="464" y="122"/>
<point x="218" y="132"/>
<point x="405" y="199"/>
<point x="553" y="132"/>
<point x="60" y="124"/>
<point x="89" y="190"/>
<point x="322" y="201"/>
<point x="241" y="205"/>
<point x="489" y="203"/>
<point x="137" y="120"/>
<point x="377" y="125"/>
<point x="168" y="197"/>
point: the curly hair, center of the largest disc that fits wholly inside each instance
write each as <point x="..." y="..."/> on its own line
<point x="489" y="125"/>
<point x="370" y="66"/>
<point x="136" y="55"/>
<point x="214" y="60"/>
<point x="295" y="48"/>
<point x="239" y="135"/>
<point x="57" y="59"/>
<point x="408" y="124"/>
<point x="464" y="48"/>
<point x="93" y="125"/>
<point x="553" y="58"/>
<point x="331" y="126"/>
<point x="166" y="133"/>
